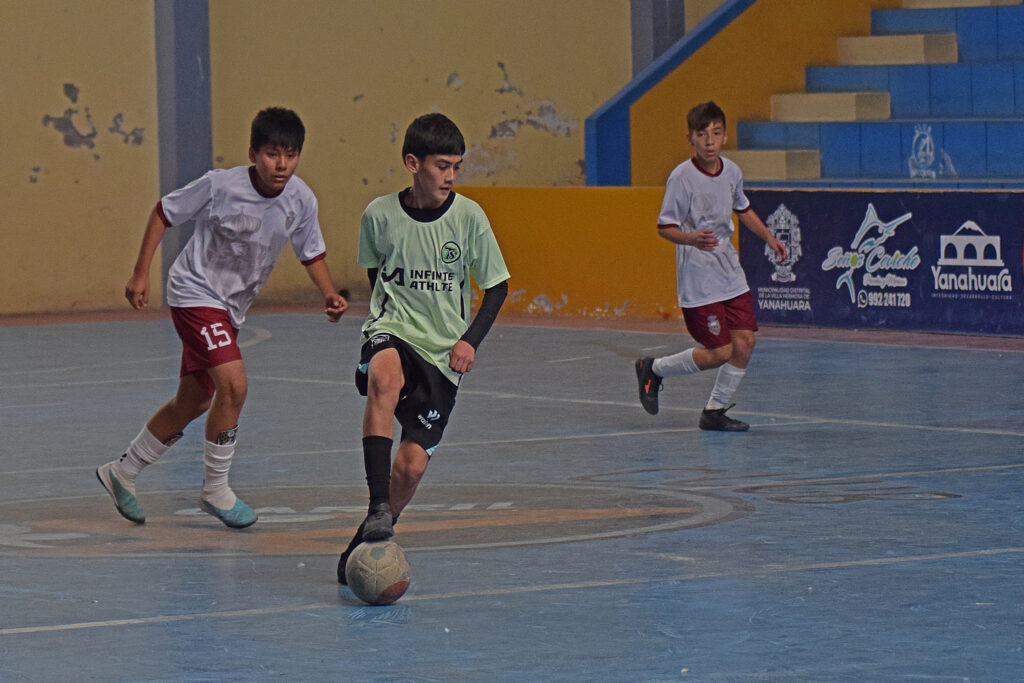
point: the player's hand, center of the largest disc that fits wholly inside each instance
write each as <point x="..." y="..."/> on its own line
<point x="137" y="290"/>
<point x="705" y="240"/>
<point x="779" y="248"/>
<point x="461" y="357"/>
<point x="334" y="306"/>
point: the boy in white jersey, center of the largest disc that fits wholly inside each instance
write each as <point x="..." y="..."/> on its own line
<point x="420" y="247"/>
<point x="243" y="217"/>
<point x="696" y="214"/>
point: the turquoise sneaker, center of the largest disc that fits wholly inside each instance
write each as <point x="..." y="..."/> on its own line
<point x="124" y="500"/>
<point x="238" y="517"/>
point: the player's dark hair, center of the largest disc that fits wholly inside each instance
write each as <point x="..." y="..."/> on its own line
<point x="433" y="134"/>
<point x="703" y="115"/>
<point x="278" y="127"/>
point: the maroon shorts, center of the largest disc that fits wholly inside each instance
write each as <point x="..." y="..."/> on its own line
<point x="710" y="325"/>
<point x="208" y="340"/>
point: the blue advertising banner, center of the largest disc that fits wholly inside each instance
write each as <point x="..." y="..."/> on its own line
<point x="913" y="261"/>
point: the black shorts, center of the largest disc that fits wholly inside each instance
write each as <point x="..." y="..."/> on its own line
<point x="427" y="398"/>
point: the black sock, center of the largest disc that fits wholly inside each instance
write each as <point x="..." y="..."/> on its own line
<point x="377" y="461"/>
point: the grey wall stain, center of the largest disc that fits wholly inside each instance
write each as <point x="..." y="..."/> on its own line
<point x="507" y="86"/>
<point x="543" y="117"/>
<point x="486" y="161"/>
<point x="505" y="129"/>
<point x="66" y="127"/>
<point x="454" y="81"/>
<point x="133" y="136"/>
<point x="547" y="119"/>
<point x="71" y="92"/>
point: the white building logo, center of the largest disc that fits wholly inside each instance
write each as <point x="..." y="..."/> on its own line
<point x="969" y="247"/>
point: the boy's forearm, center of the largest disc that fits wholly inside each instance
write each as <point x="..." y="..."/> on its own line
<point x="320" y="274"/>
<point x="674" y="234"/>
<point x="754" y="224"/>
<point x="150" y="241"/>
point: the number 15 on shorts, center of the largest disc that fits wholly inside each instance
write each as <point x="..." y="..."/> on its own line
<point x="216" y="336"/>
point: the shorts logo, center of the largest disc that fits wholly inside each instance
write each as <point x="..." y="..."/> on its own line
<point x="432" y="416"/>
<point x="714" y="327"/>
<point x="450" y="252"/>
<point x="379" y="339"/>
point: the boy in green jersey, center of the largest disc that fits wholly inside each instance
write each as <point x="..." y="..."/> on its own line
<point x="420" y="246"/>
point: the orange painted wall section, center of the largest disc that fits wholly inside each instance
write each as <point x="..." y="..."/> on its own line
<point x="582" y="251"/>
<point x="762" y="52"/>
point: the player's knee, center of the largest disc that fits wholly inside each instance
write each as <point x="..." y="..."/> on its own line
<point x="743" y="346"/>
<point x="233" y="391"/>
<point x="199" y="408"/>
<point x="721" y="354"/>
<point x="384" y="383"/>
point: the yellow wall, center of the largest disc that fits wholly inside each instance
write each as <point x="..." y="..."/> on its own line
<point x="698" y="10"/>
<point x="764" y="51"/>
<point x="592" y="252"/>
<point x="73" y="213"/>
<point x="358" y="72"/>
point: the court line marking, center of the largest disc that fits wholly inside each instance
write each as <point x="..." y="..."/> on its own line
<point x="259" y="335"/>
<point x="770" y="569"/>
<point x="532" y="439"/>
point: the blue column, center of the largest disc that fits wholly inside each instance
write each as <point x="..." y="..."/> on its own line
<point x="183" y="104"/>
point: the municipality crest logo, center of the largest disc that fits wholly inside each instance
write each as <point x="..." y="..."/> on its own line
<point x="785" y="227"/>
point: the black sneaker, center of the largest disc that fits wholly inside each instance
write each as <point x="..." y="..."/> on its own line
<point x="717" y="421"/>
<point x="649" y="383"/>
<point x="342" y="563"/>
<point x="378" y="525"/>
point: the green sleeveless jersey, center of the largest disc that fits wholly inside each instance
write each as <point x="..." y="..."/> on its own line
<point x="424" y="261"/>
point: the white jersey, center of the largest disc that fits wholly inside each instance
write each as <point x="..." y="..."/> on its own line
<point x="695" y="201"/>
<point x="238" y="237"/>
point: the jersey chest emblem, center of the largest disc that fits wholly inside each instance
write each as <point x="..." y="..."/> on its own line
<point x="450" y="252"/>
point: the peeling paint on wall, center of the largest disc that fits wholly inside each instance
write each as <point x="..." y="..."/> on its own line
<point x="541" y="115"/>
<point x="516" y="296"/>
<point x="78" y="130"/>
<point x="546" y="118"/>
<point x="486" y="161"/>
<point x="134" y="136"/>
<point x="454" y="81"/>
<point x="65" y="125"/>
<point x="505" y="129"/>
<point x="507" y="86"/>
<point x="543" y="303"/>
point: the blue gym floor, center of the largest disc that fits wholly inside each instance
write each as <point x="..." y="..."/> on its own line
<point x="867" y="528"/>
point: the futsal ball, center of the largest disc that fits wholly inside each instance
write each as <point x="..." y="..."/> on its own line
<point x="377" y="572"/>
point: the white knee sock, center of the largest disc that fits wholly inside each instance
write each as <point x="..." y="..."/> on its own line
<point x="145" y="449"/>
<point x="728" y="380"/>
<point x="676" y="364"/>
<point x="216" y="464"/>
